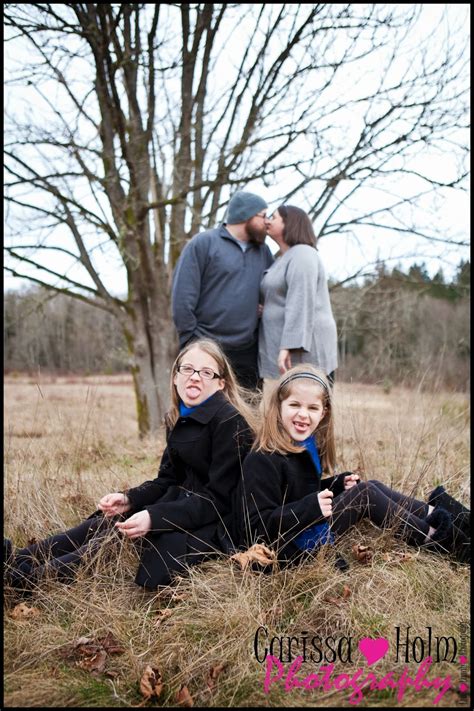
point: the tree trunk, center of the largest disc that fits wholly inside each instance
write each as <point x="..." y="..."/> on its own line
<point x="152" y="345"/>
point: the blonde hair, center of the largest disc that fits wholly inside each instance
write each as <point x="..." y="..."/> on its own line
<point x="234" y="393"/>
<point x="271" y="436"/>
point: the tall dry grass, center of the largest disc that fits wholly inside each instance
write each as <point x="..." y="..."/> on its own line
<point x="69" y="441"/>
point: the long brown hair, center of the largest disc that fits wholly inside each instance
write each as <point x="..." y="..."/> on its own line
<point x="298" y="228"/>
<point x="271" y="436"/>
<point x="234" y="393"/>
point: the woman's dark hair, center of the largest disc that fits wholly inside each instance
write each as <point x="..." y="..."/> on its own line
<point x="298" y="228"/>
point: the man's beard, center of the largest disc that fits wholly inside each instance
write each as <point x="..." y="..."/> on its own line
<point x="255" y="234"/>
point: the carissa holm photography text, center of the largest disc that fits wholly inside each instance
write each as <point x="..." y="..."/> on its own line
<point x="289" y="661"/>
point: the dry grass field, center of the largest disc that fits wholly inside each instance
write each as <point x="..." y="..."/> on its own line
<point x="68" y="441"/>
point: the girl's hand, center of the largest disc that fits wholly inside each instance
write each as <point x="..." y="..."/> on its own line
<point x="284" y="360"/>
<point x="136" y="526"/>
<point x="325" y="502"/>
<point x="113" y="504"/>
<point x="260" y="310"/>
<point x="351" y="480"/>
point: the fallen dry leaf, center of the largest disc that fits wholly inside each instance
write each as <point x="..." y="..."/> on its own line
<point x="257" y="553"/>
<point x="184" y="698"/>
<point x="398" y="557"/>
<point x="91" y="655"/>
<point x="213" y="674"/>
<point x="345" y="594"/>
<point x="110" y="644"/>
<point x="83" y="641"/>
<point x="94" y="663"/>
<point x="23" y="612"/>
<point x="161" y="616"/>
<point x="363" y="554"/>
<point x="169" y="594"/>
<point x="151" y="683"/>
<point x="334" y="600"/>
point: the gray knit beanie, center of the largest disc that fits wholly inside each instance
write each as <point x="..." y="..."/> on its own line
<point x="242" y="206"/>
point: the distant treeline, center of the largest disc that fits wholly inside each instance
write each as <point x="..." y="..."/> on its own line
<point x="405" y="328"/>
<point x="394" y="328"/>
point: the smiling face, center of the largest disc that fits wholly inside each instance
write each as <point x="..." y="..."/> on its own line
<point x="193" y="389"/>
<point x="303" y="409"/>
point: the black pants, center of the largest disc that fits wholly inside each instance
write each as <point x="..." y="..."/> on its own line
<point x="384" y="507"/>
<point x="244" y="363"/>
<point x="58" y="556"/>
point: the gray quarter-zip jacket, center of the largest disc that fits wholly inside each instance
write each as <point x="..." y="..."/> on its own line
<point x="216" y="287"/>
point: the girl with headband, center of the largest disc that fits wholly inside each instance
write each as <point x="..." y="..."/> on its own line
<point x="289" y="506"/>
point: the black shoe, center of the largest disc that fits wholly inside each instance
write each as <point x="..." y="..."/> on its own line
<point x="341" y="564"/>
<point x="461" y="514"/>
<point x="448" y="539"/>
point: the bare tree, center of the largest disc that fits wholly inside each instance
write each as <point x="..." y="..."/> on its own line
<point x="146" y="116"/>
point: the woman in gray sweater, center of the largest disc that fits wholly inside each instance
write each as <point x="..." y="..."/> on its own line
<point x="297" y="324"/>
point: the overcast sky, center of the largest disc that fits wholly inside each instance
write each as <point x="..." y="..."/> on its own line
<point x="341" y="256"/>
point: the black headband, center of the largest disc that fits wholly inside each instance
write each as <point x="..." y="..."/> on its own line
<point x="312" y="376"/>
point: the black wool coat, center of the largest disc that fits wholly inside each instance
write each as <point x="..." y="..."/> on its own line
<point x="192" y="500"/>
<point x="280" y="499"/>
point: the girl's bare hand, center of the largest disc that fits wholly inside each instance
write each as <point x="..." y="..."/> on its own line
<point x="136" y="526"/>
<point x="113" y="504"/>
<point x="351" y="480"/>
<point x="325" y="502"/>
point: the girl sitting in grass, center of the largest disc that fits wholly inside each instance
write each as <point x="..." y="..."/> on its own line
<point x="184" y="515"/>
<point x="290" y="507"/>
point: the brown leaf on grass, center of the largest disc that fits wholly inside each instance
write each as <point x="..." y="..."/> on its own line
<point x="161" y="616"/>
<point x="345" y="594"/>
<point x="151" y="683"/>
<point x="257" y="553"/>
<point x="91" y="655"/>
<point x="333" y="601"/>
<point x="213" y="674"/>
<point x="363" y="554"/>
<point x="32" y="541"/>
<point x="397" y="557"/>
<point x="22" y="612"/>
<point x="82" y="641"/>
<point x="94" y="663"/>
<point x="169" y="594"/>
<point x="184" y="698"/>
<point x="110" y="644"/>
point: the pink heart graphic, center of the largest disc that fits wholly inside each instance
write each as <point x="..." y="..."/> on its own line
<point x="373" y="649"/>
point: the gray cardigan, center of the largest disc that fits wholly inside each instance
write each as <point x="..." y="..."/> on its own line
<point x="216" y="286"/>
<point x="297" y="313"/>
